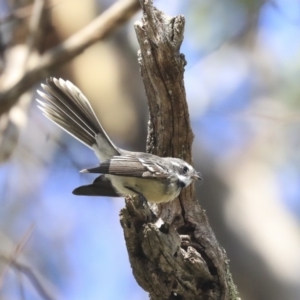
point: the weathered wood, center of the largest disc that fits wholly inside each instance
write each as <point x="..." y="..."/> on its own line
<point x="167" y="265"/>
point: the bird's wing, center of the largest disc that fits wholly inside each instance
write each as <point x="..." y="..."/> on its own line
<point x="131" y="166"/>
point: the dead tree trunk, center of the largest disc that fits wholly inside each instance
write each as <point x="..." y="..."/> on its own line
<point x="182" y="259"/>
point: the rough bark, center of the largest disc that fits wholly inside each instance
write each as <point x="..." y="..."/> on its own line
<point x="181" y="259"/>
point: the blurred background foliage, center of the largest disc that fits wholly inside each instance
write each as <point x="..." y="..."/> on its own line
<point x="243" y="91"/>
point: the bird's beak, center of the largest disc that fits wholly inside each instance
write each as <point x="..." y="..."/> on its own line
<point x="197" y="177"/>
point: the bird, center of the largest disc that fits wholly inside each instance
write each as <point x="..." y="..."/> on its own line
<point x="157" y="179"/>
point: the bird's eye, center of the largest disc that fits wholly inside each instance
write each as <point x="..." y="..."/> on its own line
<point x="185" y="169"/>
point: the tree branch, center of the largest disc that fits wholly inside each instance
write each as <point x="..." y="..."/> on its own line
<point x="37" y="282"/>
<point x="117" y="14"/>
<point x="165" y="264"/>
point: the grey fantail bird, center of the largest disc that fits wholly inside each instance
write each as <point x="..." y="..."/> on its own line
<point x="158" y="179"/>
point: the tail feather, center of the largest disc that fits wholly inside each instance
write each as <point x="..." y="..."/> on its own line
<point x="67" y="107"/>
<point x="67" y="124"/>
<point x="100" y="187"/>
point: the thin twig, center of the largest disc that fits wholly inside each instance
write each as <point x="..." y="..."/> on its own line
<point x="19" y="248"/>
<point x="20" y="283"/>
<point x="34" y="29"/>
<point x="31" y="275"/>
<point x="22" y="13"/>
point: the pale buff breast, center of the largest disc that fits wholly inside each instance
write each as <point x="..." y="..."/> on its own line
<point x="153" y="190"/>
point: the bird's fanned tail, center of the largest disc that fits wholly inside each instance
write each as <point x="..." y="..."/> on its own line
<point x="67" y="107"/>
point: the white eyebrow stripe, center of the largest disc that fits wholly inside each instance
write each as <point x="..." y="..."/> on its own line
<point x="175" y="164"/>
<point x="183" y="179"/>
